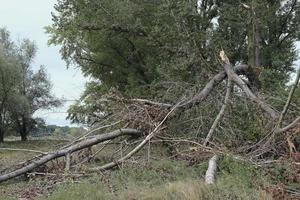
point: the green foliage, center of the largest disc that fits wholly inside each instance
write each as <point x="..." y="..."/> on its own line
<point x="238" y="173"/>
<point x="145" y="48"/>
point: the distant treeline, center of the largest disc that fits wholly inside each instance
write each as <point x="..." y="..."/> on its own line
<point x="41" y="129"/>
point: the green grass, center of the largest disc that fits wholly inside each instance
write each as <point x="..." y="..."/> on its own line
<point x="162" y="179"/>
<point x="12" y="188"/>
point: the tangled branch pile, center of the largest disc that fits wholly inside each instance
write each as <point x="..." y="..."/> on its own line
<point x="153" y="120"/>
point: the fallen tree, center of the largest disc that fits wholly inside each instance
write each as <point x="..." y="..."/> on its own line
<point x="66" y="151"/>
<point x="232" y="75"/>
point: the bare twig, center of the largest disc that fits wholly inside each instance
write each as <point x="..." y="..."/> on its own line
<point x="138" y="147"/>
<point x="286" y="106"/>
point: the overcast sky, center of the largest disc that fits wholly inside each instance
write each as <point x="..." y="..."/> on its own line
<point x="27" y="19"/>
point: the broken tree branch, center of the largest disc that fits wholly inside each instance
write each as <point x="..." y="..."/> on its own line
<point x="235" y="78"/>
<point x="63" y="152"/>
<point x="202" y="95"/>
<point x="221" y="113"/>
<point x="286" y="106"/>
<point x="288" y="127"/>
<point x="167" y="105"/>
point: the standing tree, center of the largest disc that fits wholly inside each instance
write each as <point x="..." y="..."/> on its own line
<point x="22" y="90"/>
<point x="34" y="91"/>
<point x="9" y="76"/>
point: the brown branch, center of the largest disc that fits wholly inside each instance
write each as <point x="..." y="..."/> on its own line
<point x="235" y="78"/>
<point x="221" y="113"/>
<point x="138" y="147"/>
<point x="63" y="152"/>
<point x="288" y="127"/>
<point x="203" y="94"/>
<point x="286" y="106"/>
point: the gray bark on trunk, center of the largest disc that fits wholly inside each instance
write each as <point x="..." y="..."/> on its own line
<point x="63" y="152"/>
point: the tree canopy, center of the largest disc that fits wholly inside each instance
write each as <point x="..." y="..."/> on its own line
<point x="142" y="47"/>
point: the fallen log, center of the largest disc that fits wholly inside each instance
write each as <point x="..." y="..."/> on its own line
<point x="73" y="148"/>
<point x="211" y="170"/>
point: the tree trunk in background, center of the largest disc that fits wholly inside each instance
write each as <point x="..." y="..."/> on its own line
<point x="1" y="130"/>
<point x="254" y="52"/>
<point x="23" y="137"/>
<point x="24" y="129"/>
<point x="1" y="135"/>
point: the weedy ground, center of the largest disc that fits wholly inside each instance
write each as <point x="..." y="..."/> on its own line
<point x="160" y="178"/>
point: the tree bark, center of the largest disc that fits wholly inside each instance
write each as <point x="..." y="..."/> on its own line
<point x="235" y="78"/>
<point x="221" y="113"/>
<point x="211" y="170"/>
<point x="63" y="152"/>
<point x="23" y="137"/>
<point x="286" y="106"/>
<point x="1" y="135"/>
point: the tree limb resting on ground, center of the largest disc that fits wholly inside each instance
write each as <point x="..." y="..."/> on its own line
<point x="288" y="127"/>
<point x="138" y="147"/>
<point x="63" y="152"/>
<point x="221" y="113"/>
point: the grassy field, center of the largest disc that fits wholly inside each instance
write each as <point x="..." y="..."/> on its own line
<point x="163" y="179"/>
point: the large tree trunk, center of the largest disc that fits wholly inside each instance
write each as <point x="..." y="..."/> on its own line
<point x="254" y="52"/>
<point x="23" y="136"/>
